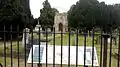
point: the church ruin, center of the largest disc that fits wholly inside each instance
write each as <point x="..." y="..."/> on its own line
<point x="60" y="22"/>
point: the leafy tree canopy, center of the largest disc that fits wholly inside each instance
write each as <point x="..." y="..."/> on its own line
<point x="47" y="15"/>
<point x="91" y="13"/>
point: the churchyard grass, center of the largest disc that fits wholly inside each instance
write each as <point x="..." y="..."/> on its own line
<point x="8" y="53"/>
<point x="72" y="40"/>
<point x="14" y="55"/>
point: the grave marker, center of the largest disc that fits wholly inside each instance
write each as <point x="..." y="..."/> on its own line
<point x="25" y="36"/>
<point x="65" y="55"/>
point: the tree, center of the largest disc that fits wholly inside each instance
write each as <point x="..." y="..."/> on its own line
<point x="107" y="17"/>
<point x="47" y="15"/>
<point x="12" y="13"/>
<point x="79" y="15"/>
<point x="89" y="13"/>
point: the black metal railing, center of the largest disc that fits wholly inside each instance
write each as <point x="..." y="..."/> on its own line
<point x="13" y="53"/>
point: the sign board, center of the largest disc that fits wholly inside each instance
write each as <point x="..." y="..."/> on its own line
<point x="64" y="55"/>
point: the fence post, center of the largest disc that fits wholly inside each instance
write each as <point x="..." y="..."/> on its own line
<point x="118" y="50"/>
<point x="105" y="50"/>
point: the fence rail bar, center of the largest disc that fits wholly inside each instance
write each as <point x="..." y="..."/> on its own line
<point x="110" y="49"/>
<point x="63" y="33"/>
<point x="85" y="48"/>
<point x="61" y="47"/>
<point x="32" y="47"/>
<point x="11" y="45"/>
<point x="39" y="47"/>
<point x="101" y="48"/>
<point x="93" y="47"/>
<point x="18" y="45"/>
<point x="119" y="50"/>
<point x="54" y="48"/>
<point x="46" y="48"/>
<point x="69" y="48"/>
<point x="4" y="48"/>
<point x="76" y="48"/>
<point x="105" y="51"/>
<point x="25" y="46"/>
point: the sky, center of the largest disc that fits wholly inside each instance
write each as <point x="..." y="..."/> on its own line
<point x="60" y="5"/>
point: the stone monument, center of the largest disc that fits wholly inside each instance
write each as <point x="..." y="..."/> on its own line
<point x="25" y="38"/>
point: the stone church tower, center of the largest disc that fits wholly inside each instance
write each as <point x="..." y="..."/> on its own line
<point x="60" y="22"/>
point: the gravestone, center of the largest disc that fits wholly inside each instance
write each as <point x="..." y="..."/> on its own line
<point x="108" y="40"/>
<point x="48" y="30"/>
<point x="65" y="55"/>
<point x="25" y="36"/>
<point x="75" y="39"/>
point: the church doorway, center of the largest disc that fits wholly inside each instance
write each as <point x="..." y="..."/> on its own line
<point x="60" y="27"/>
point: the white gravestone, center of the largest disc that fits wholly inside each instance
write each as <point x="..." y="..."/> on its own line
<point x="48" y="30"/>
<point x="108" y="40"/>
<point x="25" y="36"/>
<point x="65" y="55"/>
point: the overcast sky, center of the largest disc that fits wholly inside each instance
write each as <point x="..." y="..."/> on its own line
<point x="61" y="5"/>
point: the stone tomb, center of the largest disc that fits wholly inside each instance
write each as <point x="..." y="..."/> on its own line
<point x="64" y="55"/>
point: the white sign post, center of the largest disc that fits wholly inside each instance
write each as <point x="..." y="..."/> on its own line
<point x="65" y="56"/>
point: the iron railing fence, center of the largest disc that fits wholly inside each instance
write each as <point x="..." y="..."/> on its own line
<point x="15" y="53"/>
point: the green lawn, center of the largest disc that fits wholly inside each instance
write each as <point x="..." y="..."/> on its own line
<point x="8" y="53"/>
<point x="65" y="41"/>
